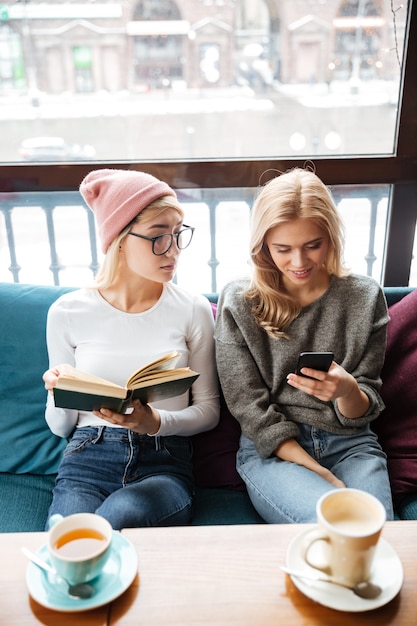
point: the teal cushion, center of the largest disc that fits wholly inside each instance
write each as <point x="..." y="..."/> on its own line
<point x="28" y="497"/>
<point x="395" y="294"/>
<point x="26" y="443"/>
<point x="407" y="509"/>
<point x="223" y="506"/>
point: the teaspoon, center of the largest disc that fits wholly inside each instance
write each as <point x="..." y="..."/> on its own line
<point x="82" y="590"/>
<point x="364" y="589"/>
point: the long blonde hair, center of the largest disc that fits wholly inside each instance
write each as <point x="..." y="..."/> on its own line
<point x="108" y="270"/>
<point x="296" y="194"/>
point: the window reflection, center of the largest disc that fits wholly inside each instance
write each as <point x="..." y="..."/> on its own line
<point x="359" y="32"/>
<point x="158" y="51"/>
<point x="83" y="66"/>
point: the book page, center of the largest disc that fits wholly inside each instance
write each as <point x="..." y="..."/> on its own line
<point x="71" y="373"/>
<point x="163" y="363"/>
<point x="72" y="379"/>
<point x="159" y="375"/>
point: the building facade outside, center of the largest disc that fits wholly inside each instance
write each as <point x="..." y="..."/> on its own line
<point x="141" y="45"/>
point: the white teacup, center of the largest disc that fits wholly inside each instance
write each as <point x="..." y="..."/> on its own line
<point x="344" y="542"/>
<point x="79" y="545"/>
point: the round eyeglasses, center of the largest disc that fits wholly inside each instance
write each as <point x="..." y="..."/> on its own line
<point x="162" y="243"/>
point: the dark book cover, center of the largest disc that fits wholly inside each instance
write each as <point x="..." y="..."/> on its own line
<point x="153" y="392"/>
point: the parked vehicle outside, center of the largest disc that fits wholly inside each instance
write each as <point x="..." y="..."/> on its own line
<point x="55" y="149"/>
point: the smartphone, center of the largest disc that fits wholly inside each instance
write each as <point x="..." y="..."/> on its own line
<point x="316" y="360"/>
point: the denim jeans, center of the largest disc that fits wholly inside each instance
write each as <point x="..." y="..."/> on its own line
<point x="132" y="480"/>
<point x="283" y="492"/>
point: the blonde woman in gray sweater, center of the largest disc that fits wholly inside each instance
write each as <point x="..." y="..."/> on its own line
<point x="302" y="435"/>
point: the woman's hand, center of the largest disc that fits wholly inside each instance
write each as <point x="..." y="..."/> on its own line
<point x="326" y="386"/>
<point x="336" y="384"/>
<point x="142" y="419"/>
<point x="290" y="450"/>
<point x="331" y="478"/>
<point x="50" y="377"/>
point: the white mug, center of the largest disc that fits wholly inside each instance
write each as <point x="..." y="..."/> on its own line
<point x="343" y="544"/>
<point x="79" y="545"/>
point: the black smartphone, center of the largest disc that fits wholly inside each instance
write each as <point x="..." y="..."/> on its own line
<point x="316" y="360"/>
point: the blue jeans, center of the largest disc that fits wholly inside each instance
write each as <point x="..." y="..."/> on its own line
<point x="283" y="492"/>
<point x="132" y="480"/>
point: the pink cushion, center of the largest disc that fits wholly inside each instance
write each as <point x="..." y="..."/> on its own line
<point x="214" y="456"/>
<point x="397" y="425"/>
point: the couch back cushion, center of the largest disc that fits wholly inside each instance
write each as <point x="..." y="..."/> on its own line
<point x="26" y="443"/>
<point x="214" y="456"/>
<point x="396" y="426"/>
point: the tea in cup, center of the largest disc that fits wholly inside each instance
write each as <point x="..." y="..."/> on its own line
<point x="344" y="542"/>
<point x="79" y="545"/>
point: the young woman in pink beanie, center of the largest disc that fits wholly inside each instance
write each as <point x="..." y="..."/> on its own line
<point x="133" y="469"/>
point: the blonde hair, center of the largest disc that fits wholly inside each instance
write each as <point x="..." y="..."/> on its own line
<point x="296" y="194"/>
<point x="108" y="271"/>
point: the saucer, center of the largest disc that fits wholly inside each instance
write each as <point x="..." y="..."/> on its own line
<point x="117" y="575"/>
<point x="387" y="573"/>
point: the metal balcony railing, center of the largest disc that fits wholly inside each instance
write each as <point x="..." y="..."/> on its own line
<point x="221" y="217"/>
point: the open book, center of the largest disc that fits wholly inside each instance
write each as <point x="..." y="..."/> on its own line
<point x="155" y="381"/>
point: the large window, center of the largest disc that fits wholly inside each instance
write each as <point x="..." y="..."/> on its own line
<point x="198" y="79"/>
<point x="212" y="96"/>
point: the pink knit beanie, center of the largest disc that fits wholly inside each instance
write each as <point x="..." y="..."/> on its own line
<point x="116" y="197"/>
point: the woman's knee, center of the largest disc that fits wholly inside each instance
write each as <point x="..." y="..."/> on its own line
<point x="155" y="501"/>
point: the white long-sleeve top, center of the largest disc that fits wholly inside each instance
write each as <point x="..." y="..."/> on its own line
<point x="87" y="332"/>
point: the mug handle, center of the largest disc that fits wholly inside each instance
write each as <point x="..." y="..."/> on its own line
<point x="54" y="519"/>
<point x="312" y="537"/>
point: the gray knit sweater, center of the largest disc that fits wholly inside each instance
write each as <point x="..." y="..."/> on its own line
<point x="349" y="319"/>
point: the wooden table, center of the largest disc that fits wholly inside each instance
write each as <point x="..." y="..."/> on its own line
<point x="205" y="576"/>
<point x="230" y="576"/>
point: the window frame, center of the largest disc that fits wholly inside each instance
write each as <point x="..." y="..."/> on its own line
<point x="398" y="170"/>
